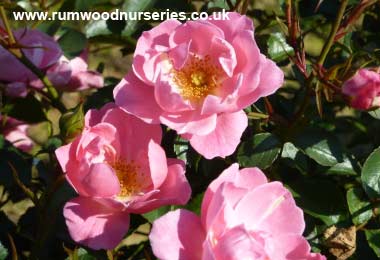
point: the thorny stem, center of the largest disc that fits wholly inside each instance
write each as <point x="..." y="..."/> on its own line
<point x="322" y="57"/>
<point x="51" y="91"/>
<point x="330" y="40"/>
<point x="11" y="38"/>
<point x="29" y="193"/>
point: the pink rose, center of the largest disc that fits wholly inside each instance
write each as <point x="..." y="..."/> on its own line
<point x="364" y="89"/>
<point x="71" y="75"/>
<point x="15" y="132"/>
<point x="117" y="167"/>
<point x="41" y="49"/>
<point x="242" y="217"/>
<point x="197" y="78"/>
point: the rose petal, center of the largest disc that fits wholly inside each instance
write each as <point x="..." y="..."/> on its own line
<point x="92" y="224"/>
<point x="177" y="235"/>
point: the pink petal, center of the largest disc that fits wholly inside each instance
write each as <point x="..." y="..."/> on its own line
<point x="168" y="97"/>
<point x="146" y="53"/>
<point x="225" y="53"/>
<point x="95" y="116"/>
<point x="271" y="79"/>
<point x="101" y="181"/>
<point x="237" y="244"/>
<point x="63" y="156"/>
<point x="134" y="134"/>
<point x="224" y="139"/>
<point x="137" y="98"/>
<point x="288" y="247"/>
<point x="200" y="33"/>
<point x="18" y="136"/>
<point x="225" y="102"/>
<point x="191" y="123"/>
<point x="16" y="89"/>
<point x="177" y="235"/>
<point x="85" y="80"/>
<point x="234" y="25"/>
<point x="315" y="256"/>
<point x="271" y="208"/>
<point x="179" y="54"/>
<point x="157" y="163"/>
<point x="220" y="214"/>
<point x="92" y="224"/>
<point x="42" y="49"/>
<point x="174" y="191"/>
<point x="248" y="179"/>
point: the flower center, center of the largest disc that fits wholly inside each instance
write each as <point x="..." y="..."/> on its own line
<point x="128" y="175"/>
<point x="198" y="78"/>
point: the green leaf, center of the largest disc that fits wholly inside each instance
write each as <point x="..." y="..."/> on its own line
<point x="97" y="28"/>
<point x="71" y="123"/>
<point x="343" y="168"/>
<point x="195" y="203"/>
<point x="321" y="199"/>
<point x="325" y="149"/>
<point x="85" y="5"/>
<point x="293" y="157"/>
<point x="81" y="254"/>
<point x="181" y="147"/>
<point x="3" y="252"/>
<point x="27" y="109"/>
<point x="375" y="113"/>
<point x="135" y="6"/>
<point x="155" y="214"/>
<point x="2" y="141"/>
<point x="371" y="174"/>
<point x="278" y="49"/>
<point x="99" y="98"/>
<point x="260" y="151"/>
<point x="219" y="4"/>
<point x="359" y="207"/>
<point x="373" y="238"/>
<point x="72" y="43"/>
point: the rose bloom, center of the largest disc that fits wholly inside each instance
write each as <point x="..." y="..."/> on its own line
<point x="41" y="49"/>
<point x="197" y="78"/>
<point x="242" y="217"/>
<point x="117" y="167"/>
<point x="15" y="132"/>
<point x="364" y="89"/>
<point x="72" y="75"/>
<point x="45" y="53"/>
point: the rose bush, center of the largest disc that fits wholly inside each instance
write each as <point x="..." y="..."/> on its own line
<point x="45" y="53"/>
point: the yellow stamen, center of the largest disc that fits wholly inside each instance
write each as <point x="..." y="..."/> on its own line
<point x="127" y="173"/>
<point x="197" y="78"/>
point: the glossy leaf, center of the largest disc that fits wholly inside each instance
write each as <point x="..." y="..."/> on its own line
<point x="375" y="113"/>
<point x="66" y="42"/>
<point x="325" y="149"/>
<point x="321" y="199"/>
<point x="360" y="208"/>
<point x="278" y="49"/>
<point x="373" y="238"/>
<point x="371" y="174"/>
<point x="260" y="151"/>
<point x="3" y="252"/>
